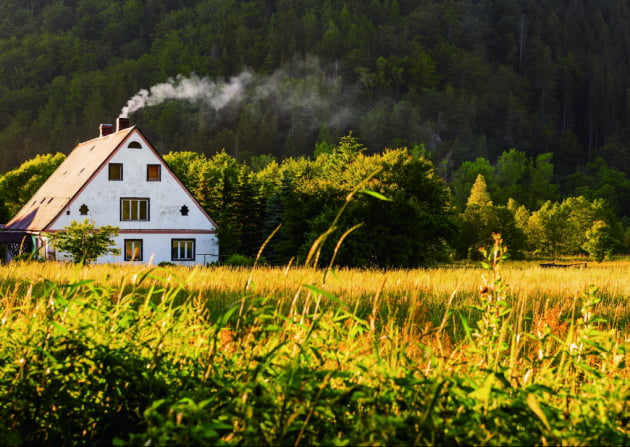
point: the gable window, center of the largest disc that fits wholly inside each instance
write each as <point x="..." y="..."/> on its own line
<point x="115" y="171"/>
<point x="83" y="209"/>
<point x="154" y="173"/>
<point x="133" y="249"/>
<point x="182" y="249"/>
<point x="184" y="210"/>
<point x="134" y="145"/>
<point x="134" y="209"/>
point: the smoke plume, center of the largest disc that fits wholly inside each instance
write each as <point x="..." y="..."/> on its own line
<point x="304" y="94"/>
<point x="216" y="95"/>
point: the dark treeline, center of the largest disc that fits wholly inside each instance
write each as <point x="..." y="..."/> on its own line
<point x="467" y="79"/>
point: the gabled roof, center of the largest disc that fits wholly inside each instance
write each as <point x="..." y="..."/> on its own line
<point x="52" y="198"/>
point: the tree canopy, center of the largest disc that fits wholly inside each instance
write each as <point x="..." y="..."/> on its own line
<point x="466" y="79"/>
<point x="401" y="209"/>
<point x="84" y="241"/>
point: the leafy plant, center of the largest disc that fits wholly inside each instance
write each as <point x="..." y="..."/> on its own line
<point x="599" y="242"/>
<point x="85" y="241"/>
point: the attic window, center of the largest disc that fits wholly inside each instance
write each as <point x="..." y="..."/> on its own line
<point x="184" y="210"/>
<point x="115" y="171"/>
<point x="83" y="209"/>
<point x="153" y="173"/>
<point x="134" y="145"/>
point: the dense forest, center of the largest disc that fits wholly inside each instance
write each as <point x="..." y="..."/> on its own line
<point x="467" y="79"/>
<point x="532" y="95"/>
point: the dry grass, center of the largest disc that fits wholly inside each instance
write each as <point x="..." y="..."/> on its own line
<point x="417" y="300"/>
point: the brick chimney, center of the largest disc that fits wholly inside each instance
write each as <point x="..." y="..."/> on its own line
<point x="105" y="129"/>
<point x="122" y="123"/>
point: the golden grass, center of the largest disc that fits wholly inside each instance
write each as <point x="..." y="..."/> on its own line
<point x="408" y="294"/>
<point x="524" y="279"/>
<point x="417" y="312"/>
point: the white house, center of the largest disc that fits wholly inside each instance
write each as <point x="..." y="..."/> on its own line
<point x="118" y="179"/>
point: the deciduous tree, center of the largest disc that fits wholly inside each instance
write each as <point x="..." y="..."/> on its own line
<point x="84" y="241"/>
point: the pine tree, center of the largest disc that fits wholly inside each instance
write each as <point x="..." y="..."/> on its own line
<point x="479" y="193"/>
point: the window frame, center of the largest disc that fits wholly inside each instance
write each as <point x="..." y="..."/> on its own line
<point x="109" y="172"/>
<point x="133" y="242"/>
<point x="159" y="172"/>
<point x="193" y="248"/>
<point x="131" y="201"/>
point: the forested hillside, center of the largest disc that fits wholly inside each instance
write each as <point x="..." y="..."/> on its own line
<point x="467" y="79"/>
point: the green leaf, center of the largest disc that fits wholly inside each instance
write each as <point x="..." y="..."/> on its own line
<point x="377" y="195"/>
<point x="532" y="403"/>
<point x="483" y="393"/>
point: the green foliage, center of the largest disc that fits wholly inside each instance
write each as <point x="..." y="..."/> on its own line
<point x="66" y="380"/>
<point x="564" y="228"/>
<point x="146" y="363"/>
<point x="512" y="171"/>
<point x="492" y="331"/>
<point x="599" y="242"/>
<point x="479" y="194"/>
<point x="414" y="227"/>
<point x="237" y="260"/>
<point x="19" y="185"/>
<point x="541" y="187"/>
<point x="230" y="193"/>
<point x="476" y="78"/>
<point x="599" y="181"/>
<point x="482" y="219"/>
<point x="84" y="241"/>
<point x="527" y="180"/>
<point x="466" y="175"/>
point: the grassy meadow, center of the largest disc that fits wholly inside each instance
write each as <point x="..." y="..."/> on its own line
<point x="509" y="354"/>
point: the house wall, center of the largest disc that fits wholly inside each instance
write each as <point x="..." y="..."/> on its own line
<point x="101" y="198"/>
<point x="156" y="248"/>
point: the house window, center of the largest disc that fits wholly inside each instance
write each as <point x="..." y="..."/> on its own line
<point x="134" y="209"/>
<point x="153" y="173"/>
<point x="133" y="249"/>
<point x="184" y="210"/>
<point x="83" y="209"/>
<point x="134" y="145"/>
<point x="182" y="249"/>
<point x="115" y="171"/>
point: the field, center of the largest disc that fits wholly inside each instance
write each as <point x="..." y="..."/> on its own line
<point x="509" y="354"/>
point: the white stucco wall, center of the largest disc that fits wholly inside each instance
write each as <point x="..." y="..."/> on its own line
<point x="166" y="198"/>
<point x="156" y="249"/>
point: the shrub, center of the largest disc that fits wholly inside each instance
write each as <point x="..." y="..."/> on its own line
<point x="84" y="241"/>
<point x="237" y="260"/>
